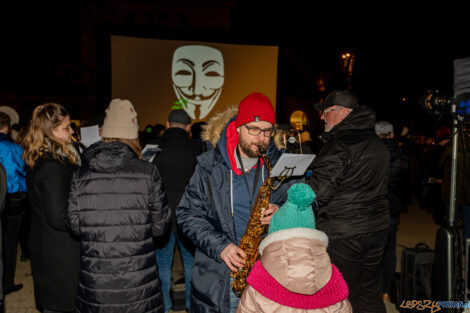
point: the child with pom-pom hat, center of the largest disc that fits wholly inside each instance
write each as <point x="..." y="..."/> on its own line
<point x="294" y="273"/>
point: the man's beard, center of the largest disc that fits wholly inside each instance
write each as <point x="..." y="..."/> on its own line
<point x="245" y="147"/>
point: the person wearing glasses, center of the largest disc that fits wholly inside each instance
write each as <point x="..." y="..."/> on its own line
<point x="215" y="207"/>
<point x="350" y="177"/>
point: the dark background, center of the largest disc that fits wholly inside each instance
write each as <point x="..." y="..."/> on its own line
<point x="58" y="51"/>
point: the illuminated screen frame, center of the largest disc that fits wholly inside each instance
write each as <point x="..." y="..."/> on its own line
<point x="258" y="71"/>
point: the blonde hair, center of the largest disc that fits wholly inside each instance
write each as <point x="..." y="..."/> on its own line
<point x="134" y="144"/>
<point x="40" y="139"/>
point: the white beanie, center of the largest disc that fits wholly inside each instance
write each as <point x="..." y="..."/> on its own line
<point x="120" y="121"/>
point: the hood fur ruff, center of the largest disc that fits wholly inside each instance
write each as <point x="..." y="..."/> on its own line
<point x="217" y="123"/>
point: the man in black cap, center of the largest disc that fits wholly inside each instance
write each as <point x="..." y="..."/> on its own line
<point x="350" y="179"/>
<point x="176" y="163"/>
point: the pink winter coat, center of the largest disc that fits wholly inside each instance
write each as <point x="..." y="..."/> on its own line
<point x="294" y="274"/>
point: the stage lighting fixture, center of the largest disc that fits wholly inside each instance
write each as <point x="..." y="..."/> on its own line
<point x="434" y="103"/>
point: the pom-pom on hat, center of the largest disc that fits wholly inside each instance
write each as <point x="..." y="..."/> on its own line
<point x="120" y="120"/>
<point x="296" y="211"/>
<point x="254" y="108"/>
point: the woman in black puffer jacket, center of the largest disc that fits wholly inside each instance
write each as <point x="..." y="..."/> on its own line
<point x="117" y="205"/>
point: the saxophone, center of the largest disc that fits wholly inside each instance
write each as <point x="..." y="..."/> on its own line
<point x="254" y="232"/>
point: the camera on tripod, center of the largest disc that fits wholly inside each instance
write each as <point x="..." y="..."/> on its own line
<point x="435" y="103"/>
<point x="448" y="280"/>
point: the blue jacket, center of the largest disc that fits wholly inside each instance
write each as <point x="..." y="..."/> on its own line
<point x="10" y="157"/>
<point x="205" y="216"/>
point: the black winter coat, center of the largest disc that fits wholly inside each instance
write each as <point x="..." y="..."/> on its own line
<point x="117" y="205"/>
<point x="176" y="163"/>
<point x="350" y="178"/>
<point x="399" y="164"/>
<point x="55" y="255"/>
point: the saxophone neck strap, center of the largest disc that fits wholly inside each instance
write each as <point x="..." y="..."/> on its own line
<point x="247" y="179"/>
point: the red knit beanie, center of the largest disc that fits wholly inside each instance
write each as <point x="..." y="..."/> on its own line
<point x="254" y="108"/>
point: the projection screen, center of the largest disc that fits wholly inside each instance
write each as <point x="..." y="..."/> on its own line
<point x="154" y="74"/>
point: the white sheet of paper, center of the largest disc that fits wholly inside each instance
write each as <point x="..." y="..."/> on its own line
<point x="89" y="135"/>
<point x="296" y="164"/>
<point x="149" y="152"/>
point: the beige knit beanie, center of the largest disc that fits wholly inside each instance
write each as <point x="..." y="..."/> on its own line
<point x="120" y="120"/>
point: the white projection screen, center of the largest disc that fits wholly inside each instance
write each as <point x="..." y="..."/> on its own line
<point x="154" y="74"/>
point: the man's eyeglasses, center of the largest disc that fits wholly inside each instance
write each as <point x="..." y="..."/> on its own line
<point x="326" y="111"/>
<point x="255" y="131"/>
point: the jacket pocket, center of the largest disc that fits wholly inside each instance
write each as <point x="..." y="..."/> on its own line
<point x="207" y="289"/>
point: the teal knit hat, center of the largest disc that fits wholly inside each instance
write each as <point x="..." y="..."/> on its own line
<point x="297" y="211"/>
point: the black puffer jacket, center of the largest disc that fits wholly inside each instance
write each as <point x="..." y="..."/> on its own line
<point x="117" y="204"/>
<point x="350" y="178"/>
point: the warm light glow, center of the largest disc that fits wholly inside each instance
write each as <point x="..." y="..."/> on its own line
<point x="348" y="64"/>
<point x="153" y="89"/>
<point x="298" y="119"/>
<point x="321" y="84"/>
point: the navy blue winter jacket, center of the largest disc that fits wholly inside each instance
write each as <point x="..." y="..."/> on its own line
<point x="205" y="215"/>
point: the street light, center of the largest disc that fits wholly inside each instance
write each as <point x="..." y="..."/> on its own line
<point x="348" y="63"/>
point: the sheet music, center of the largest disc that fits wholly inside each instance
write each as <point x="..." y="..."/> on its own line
<point x="292" y="164"/>
<point x="89" y="135"/>
<point x="149" y="152"/>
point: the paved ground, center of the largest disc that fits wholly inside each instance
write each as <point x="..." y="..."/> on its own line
<point x="416" y="226"/>
<point x="22" y="301"/>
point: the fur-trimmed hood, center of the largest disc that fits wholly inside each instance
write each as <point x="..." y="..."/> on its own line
<point x="217" y="124"/>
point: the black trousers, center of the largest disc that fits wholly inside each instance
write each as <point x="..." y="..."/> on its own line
<point x="25" y="230"/>
<point x="11" y="221"/>
<point x="359" y="259"/>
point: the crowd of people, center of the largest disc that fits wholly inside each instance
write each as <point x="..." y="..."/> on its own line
<point x="103" y="221"/>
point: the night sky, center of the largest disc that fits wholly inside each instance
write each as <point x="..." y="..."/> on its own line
<point x="400" y="52"/>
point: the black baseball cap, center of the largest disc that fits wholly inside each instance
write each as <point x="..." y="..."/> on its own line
<point x="179" y="116"/>
<point x="342" y="98"/>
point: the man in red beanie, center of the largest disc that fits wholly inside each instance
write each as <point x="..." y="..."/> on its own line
<point x="216" y="205"/>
